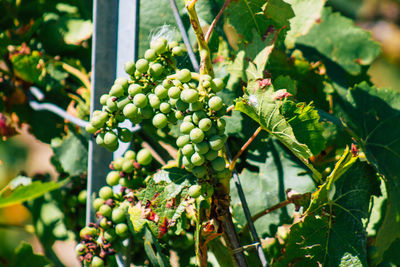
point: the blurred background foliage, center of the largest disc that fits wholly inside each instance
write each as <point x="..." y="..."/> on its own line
<point x="60" y="31"/>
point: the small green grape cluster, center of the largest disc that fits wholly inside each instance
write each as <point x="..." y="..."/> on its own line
<point x="129" y="99"/>
<point x="99" y="240"/>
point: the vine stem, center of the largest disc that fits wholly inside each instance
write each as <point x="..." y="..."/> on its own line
<point x="212" y="26"/>
<point x="205" y="57"/>
<point x="233" y="162"/>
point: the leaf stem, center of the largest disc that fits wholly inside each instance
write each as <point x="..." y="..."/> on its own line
<point x="205" y="57"/>
<point x="233" y="163"/>
<point x="212" y="26"/>
<point x="230" y="108"/>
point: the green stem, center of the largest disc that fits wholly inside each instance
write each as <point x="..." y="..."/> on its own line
<point x="205" y="56"/>
<point x="78" y="74"/>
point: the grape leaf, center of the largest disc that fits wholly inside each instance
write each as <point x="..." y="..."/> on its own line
<point x="261" y="104"/>
<point x="372" y="114"/>
<point x="28" y="192"/>
<point x="71" y="153"/>
<point x="307" y="13"/>
<point x="265" y="187"/>
<point x="320" y="239"/>
<point x="25" y="257"/>
<point x="250" y="17"/>
<point x="350" y="48"/>
<point x="25" y="66"/>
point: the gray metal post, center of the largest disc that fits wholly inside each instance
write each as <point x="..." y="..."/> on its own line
<point x="104" y="49"/>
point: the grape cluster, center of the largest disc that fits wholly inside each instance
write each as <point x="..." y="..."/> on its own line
<point x="184" y="98"/>
<point x="100" y="239"/>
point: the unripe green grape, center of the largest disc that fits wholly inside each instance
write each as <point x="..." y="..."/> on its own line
<point x="87" y="231"/>
<point x="211" y="132"/>
<point x="186" y="162"/>
<point x="130" y="67"/>
<point x="172" y="101"/>
<point x="130" y="111"/>
<point x="117" y="90"/>
<point x="110" y="138"/>
<point x="217" y="85"/>
<point x="205" y="124"/>
<point x="160" y="45"/>
<point x="221" y="124"/>
<point x="167" y="83"/>
<point x="165" y="107"/>
<point x="211" y="155"/>
<point x="144" y="157"/>
<point x="150" y="54"/>
<point x="117" y="164"/>
<point x="202" y="147"/>
<point x="215" y="103"/>
<point x="140" y="100"/>
<point x="182" y="140"/>
<point x="105" y="210"/>
<point x="112" y="104"/>
<point x="192" y="85"/>
<point x="216" y="142"/>
<point x="180" y="105"/>
<point x="186" y="127"/>
<point x="109" y="235"/>
<point x="196" y="106"/>
<point x="184" y="75"/>
<point x="123" y="82"/>
<point x="106" y="192"/>
<point x="196" y="135"/>
<point x="188" y="150"/>
<point x="199" y="171"/>
<point x="100" y="139"/>
<point x="82" y="197"/>
<point x="154" y="101"/>
<point x="128" y="166"/>
<point x="161" y="92"/>
<point x="142" y="65"/>
<point x="218" y="164"/>
<point x="172" y="44"/>
<point x="177" y="83"/>
<point x="135" y="89"/>
<point x="123" y="102"/>
<point x="178" y="51"/>
<point x="112" y="147"/>
<point x="97" y="262"/>
<point x="189" y="95"/>
<point x="130" y="155"/>
<point x="188" y="118"/>
<point x="198" y="115"/>
<point x="206" y="84"/>
<point x="195" y="191"/>
<point x="104" y="223"/>
<point x="113" y="178"/>
<point x="160" y="121"/>
<point x="179" y="115"/>
<point x="125" y="135"/>
<point x="156" y="70"/>
<point x="97" y="203"/>
<point x="197" y="159"/>
<point x="174" y="92"/>
<point x="121" y="230"/>
<point x="147" y="112"/>
<point x="90" y="128"/>
<point x="118" y="215"/>
<point x="103" y="99"/>
<point x="137" y="119"/>
<point x="80" y="249"/>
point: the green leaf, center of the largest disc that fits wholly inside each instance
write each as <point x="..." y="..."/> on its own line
<point x="350" y="48"/>
<point x="304" y="120"/>
<point x="25" y="66"/>
<point x="271" y="172"/>
<point x="372" y="115"/>
<point x="75" y="30"/>
<point x="251" y="17"/>
<point x="25" y="257"/>
<point x="324" y="240"/>
<point x="28" y="192"/>
<point x="71" y="153"/>
<point x="156" y="257"/>
<point x="136" y="217"/>
<point x="307" y="13"/>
